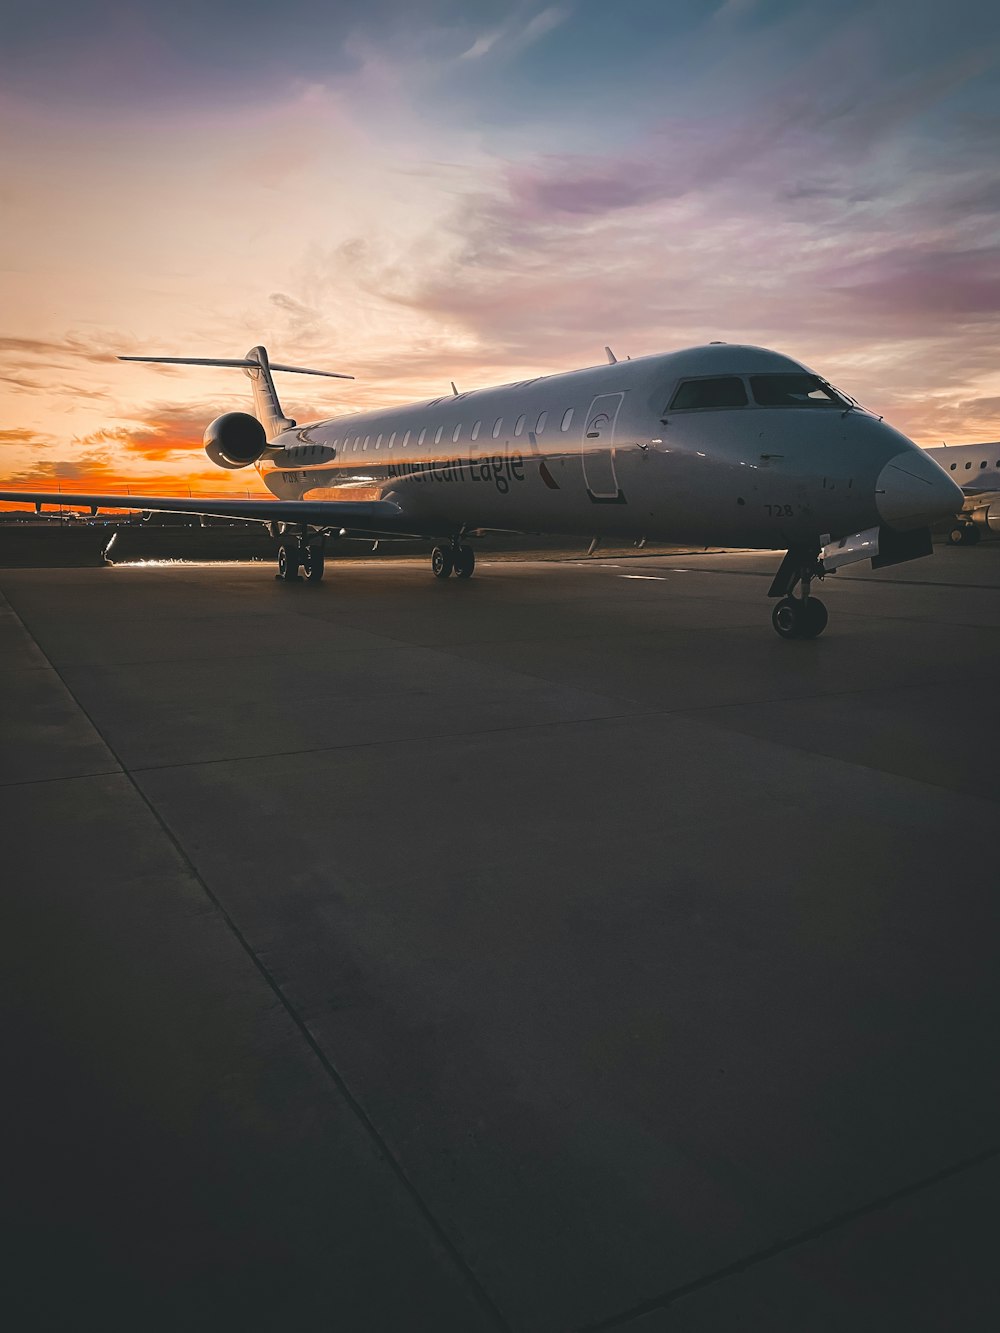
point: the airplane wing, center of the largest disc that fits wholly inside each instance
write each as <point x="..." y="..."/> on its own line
<point x="369" y="516"/>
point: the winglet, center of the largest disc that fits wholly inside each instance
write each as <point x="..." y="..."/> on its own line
<point x="612" y="359"/>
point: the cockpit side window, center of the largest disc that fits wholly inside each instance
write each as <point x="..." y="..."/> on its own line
<point x="795" y="390"/>
<point x="722" y="391"/>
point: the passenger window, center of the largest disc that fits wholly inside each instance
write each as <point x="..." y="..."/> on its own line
<point x="406" y="439"/>
<point x="540" y="423"/>
<point x="955" y="465"/>
<point x="392" y="439"/>
<point x="983" y="463"/>
<point x="437" y="434"/>
<point x="456" y="433"/>
<point x="519" y="424"/>
<point x="475" y="429"/>
<point x="967" y="466"/>
<point x="723" y="391"/>
<point x="496" y="426"/>
<point x="365" y="445"/>
<point x="378" y="442"/>
<point x="567" y="419"/>
<point x="422" y="436"/>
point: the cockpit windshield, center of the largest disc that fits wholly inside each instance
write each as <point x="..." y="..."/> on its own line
<point x="795" y="390"/>
<point x="719" y="391"/>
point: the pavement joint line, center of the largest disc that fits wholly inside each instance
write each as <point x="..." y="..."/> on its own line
<point x="391" y="740"/>
<point x="65" y="777"/>
<point x="690" y="713"/>
<point x="383" y="1151"/>
<point x="780" y="1247"/>
<point x="684" y="714"/>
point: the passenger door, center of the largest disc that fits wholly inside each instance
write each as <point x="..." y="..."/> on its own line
<point x="597" y="449"/>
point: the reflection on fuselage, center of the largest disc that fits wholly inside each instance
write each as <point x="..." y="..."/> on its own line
<point x="713" y="444"/>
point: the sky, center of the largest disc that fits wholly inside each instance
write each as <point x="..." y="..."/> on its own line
<point x="419" y="191"/>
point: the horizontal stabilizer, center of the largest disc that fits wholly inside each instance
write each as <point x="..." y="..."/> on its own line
<point x="239" y="363"/>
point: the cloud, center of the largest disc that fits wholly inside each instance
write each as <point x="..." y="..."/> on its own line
<point x="517" y="32"/>
<point x="926" y="284"/>
<point x="45" y="472"/>
<point x="98" y="348"/>
<point x="22" y="435"/>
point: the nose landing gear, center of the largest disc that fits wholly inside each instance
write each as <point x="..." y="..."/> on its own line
<point x="802" y="617"/>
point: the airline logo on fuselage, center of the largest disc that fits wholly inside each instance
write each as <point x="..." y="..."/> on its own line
<point x="500" y="469"/>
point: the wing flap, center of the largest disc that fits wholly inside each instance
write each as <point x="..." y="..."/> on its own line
<point x="362" y="515"/>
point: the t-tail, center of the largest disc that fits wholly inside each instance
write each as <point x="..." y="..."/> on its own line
<point x="258" y="367"/>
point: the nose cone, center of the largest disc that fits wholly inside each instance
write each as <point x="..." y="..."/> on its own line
<point x="913" y="492"/>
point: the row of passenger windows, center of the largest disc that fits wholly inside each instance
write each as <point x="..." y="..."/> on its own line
<point x="403" y="440"/>
<point x="984" y="463"/>
<point x="793" y="390"/>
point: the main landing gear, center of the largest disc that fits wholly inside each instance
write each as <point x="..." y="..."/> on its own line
<point x="303" y="554"/>
<point x="802" y="617"/>
<point x="963" y="534"/>
<point x="454" y="559"/>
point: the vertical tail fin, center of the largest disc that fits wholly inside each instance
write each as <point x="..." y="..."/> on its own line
<point x="266" y="406"/>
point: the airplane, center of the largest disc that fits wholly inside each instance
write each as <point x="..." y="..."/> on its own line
<point x="719" y="445"/>
<point x="976" y="469"/>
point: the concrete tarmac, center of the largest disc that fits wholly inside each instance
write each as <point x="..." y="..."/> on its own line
<point x="556" y="950"/>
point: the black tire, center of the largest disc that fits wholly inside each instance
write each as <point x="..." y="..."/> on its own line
<point x="441" y="562"/>
<point x="465" y="562"/>
<point x="963" y="534"/>
<point x="313" y="564"/>
<point x="288" y="563"/>
<point x="785" y="618"/>
<point x="812" y="619"/>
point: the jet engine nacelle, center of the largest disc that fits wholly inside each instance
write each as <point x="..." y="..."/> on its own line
<point x="234" y="440"/>
<point x="988" y="516"/>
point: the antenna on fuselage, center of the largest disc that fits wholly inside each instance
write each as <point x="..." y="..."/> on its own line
<point x="453" y="389"/>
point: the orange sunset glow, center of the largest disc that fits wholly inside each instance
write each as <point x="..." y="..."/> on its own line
<point x="415" y="199"/>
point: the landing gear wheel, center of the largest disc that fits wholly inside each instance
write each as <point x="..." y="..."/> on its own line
<point x="313" y="562"/>
<point x="812" y="619"/>
<point x="465" y="561"/>
<point x="963" y="534"/>
<point x="785" y="618"/>
<point x="288" y="563"/>
<point x="795" y="619"/>
<point x="441" y="562"/>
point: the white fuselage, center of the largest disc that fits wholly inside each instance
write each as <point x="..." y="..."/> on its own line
<point x="975" y="465"/>
<point x="609" y="452"/>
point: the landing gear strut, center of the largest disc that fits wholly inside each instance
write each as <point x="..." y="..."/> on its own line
<point x="300" y="553"/>
<point x="455" y="559"/>
<point x="802" y="617"/>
